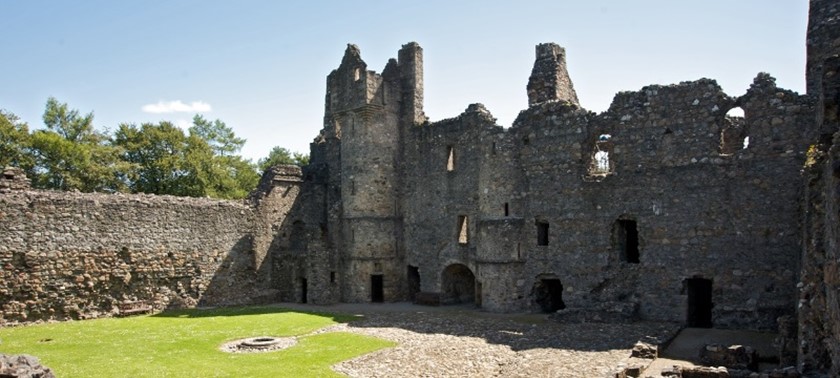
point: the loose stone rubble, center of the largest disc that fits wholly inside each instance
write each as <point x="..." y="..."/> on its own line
<point x="23" y="366"/>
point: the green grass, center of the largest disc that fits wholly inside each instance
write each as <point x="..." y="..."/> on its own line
<point x="186" y="343"/>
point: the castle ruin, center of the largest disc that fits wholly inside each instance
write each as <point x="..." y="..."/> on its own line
<point x="661" y="208"/>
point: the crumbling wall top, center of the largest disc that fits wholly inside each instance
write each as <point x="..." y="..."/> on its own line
<point x="13" y="179"/>
<point x="274" y="175"/>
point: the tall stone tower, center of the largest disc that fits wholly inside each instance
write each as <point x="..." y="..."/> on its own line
<point x="823" y="41"/>
<point x="368" y="112"/>
<point x="549" y="79"/>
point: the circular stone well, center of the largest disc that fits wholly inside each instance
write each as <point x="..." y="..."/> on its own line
<point x="258" y="344"/>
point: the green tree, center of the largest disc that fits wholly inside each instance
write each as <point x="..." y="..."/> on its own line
<point x="165" y="160"/>
<point x="218" y="135"/>
<point x="14" y="142"/>
<point x="229" y="175"/>
<point x="156" y="154"/>
<point x="71" y="155"/>
<point x="279" y="155"/>
<point x="301" y="159"/>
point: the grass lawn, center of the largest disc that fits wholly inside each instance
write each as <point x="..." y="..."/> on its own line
<point x="185" y="343"/>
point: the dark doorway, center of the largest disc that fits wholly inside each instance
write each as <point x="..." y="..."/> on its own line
<point x="303" y="290"/>
<point x="458" y="285"/>
<point x="699" y="302"/>
<point x="548" y="293"/>
<point x="626" y="237"/>
<point x="377" y="291"/>
<point x="413" y="282"/>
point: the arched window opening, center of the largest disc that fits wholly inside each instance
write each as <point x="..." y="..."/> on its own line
<point x="734" y="135"/>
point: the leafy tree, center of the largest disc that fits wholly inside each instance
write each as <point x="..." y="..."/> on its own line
<point x="71" y="155"/>
<point x="69" y="124"/>
<point x="301" y="159"/>
<point x="218" y="135"/>
<point x="168" y="161"/>
<point x="14" y="142"/>
<point x="156" y="154"/>
<point x="279" y="155"/>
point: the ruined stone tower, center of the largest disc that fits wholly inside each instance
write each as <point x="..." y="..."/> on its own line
<point x="369" y="113"/>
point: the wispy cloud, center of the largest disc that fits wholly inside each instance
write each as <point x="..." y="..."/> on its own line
<point x="176" y="107"/>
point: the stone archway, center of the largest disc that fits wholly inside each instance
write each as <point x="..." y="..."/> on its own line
<point x="457" y="285"/>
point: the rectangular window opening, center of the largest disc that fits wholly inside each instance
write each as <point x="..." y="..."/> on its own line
<point x="542" y="233"/>
<point x="463" y="235"/>
<point x="507" y="210"/>
<point x="332" y="277"/>
<point x="450" y="163"/>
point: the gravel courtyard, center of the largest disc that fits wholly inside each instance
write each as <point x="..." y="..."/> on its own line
<point x="465" y="342"/>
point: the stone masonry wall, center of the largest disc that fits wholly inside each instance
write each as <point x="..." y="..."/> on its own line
<point x="74" y="255"/>
<point x="730" y="218"/>
<point x="465" y="210"/>
<point x="819" y="281"/>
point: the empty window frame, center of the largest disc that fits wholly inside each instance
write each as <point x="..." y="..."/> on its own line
<point x="600" y="164"/>
<point x="463" y="226"/>
<point x="542" y="233"/>
<point x="450" y="160"/>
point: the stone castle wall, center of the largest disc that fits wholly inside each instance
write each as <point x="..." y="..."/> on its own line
<point x="730" y="218"/>
<point x="67" y="255"/>
<point x="663" y="207"/>
<point x="819" y="281"/>
<point x="465" y="210"/>
<point x="74" y="255"/>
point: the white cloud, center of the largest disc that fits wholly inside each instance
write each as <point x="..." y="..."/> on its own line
<point x="177" y="106"/>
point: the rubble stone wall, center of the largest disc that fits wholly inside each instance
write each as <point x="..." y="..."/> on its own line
<point x="77" y="255"/>
<point x="819" y="281"/>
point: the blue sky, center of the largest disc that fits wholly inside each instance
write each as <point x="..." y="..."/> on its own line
<point x="261" y="66"/>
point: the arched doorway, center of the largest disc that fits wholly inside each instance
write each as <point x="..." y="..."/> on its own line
<point x="457" y="285"/>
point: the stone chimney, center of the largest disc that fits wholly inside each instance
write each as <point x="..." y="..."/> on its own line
<point x="549" y="79"/>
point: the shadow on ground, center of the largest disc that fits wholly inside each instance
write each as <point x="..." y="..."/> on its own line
<point x="517" y="331"/>
<point x="248" y="310"/>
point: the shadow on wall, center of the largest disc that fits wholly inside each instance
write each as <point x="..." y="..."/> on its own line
<point x="234" y="279"/>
